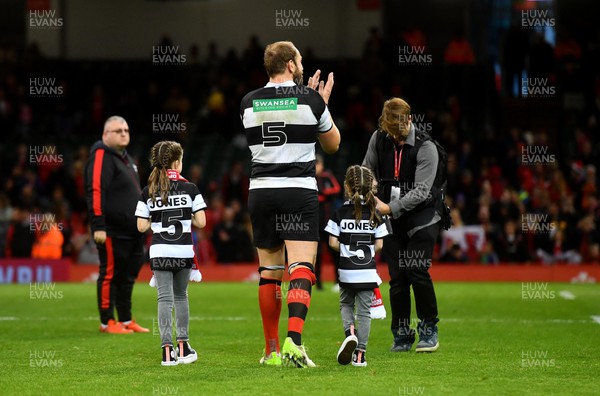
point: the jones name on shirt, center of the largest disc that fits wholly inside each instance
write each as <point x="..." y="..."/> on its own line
<point x="352" y="225"/>
<point x="173" y="201"/>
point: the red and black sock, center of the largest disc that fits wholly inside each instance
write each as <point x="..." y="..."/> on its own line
<point x="269" y="301"/>
<point x="298" y="299"/>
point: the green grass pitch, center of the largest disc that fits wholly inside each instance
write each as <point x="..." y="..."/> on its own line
<point x="495" y="339"/>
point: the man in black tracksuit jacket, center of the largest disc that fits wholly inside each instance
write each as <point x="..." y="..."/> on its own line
<point x="405" y="163"/>
<point x="112" y="191"/>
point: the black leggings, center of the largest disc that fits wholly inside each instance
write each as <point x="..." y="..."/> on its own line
<point x="409" y="259"/>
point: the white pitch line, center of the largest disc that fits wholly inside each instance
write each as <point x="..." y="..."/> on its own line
<point x="595" y="319"/>
<point x="567" y="295"/>
<point x="93" y="318"/>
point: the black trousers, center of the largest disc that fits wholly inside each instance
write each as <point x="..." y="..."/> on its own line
<point x="120" y="263"/>
<point x="408" y="262"/>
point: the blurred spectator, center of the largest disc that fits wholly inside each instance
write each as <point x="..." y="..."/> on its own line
<point x="567" y="49"/>
<point x="374" y="43"/>
<point x="85" y="248"/>
<point x="511" y="246"/>
<point x="454" y="255"/>
<point x="214" y="213"/>
<point x="514" y="55"/>
<point x="6" y="214"/>
<point x="592" y="254"/>
<point x="459" y="51"/>
<point x="195" y="175"/>
<point x="20" y="237"/>
<point x="589" y="191"/>
<point x="204" y="248"/>
<point x="555" y="250"/>
<point x="467" y="193"/>
<point x="253" y="54"/>
<point x="232" y="243"/>
<point x="541" y="57"/>
<point x="590" y="238"/>
<point x="488" y="254"/>
<point x="235" y="184"/>
<point x="506" y="208"/>
<point x="49" y="240"/>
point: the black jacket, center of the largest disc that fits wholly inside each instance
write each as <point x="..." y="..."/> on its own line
<point x="112" y="191"/>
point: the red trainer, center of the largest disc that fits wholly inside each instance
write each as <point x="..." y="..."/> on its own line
<point x="136" y="328"/>
<point x="114" y="328"/>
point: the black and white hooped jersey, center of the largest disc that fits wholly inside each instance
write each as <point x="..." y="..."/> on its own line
<point x="357" y="247"/>
<point x="282" y="122"/>
<point x="172" y="223"/>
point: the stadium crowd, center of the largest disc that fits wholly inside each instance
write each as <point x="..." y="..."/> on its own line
<point x="520" y="191"/>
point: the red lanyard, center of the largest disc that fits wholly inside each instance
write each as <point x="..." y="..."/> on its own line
<point x="397" y="162"/>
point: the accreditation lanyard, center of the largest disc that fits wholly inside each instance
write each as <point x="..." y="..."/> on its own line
<point x="397" y="162"/>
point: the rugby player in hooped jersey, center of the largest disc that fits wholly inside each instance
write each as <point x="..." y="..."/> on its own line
<point x="283" y="121"/>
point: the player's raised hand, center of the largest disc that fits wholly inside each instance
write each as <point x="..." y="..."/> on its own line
<point x="313" y="82"/>
<point x="324" y="88"/>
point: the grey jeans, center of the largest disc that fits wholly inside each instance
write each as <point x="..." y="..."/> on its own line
<point x="172" y="291"/>
<point x="362" y="299"/>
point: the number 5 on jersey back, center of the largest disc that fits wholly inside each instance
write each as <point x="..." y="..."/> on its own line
<point x="272" y="133"/>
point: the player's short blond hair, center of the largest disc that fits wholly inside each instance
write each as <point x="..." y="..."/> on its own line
<point x="277" y="56"/>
